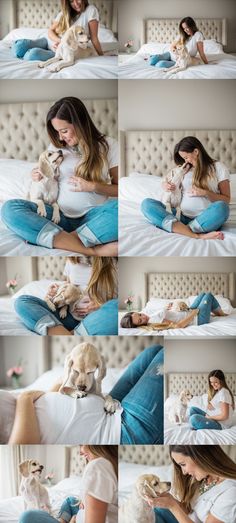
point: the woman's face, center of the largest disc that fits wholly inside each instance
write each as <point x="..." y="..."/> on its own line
<point x="188" y="466"/>
<point x="138" y="318"/>
<point x="187" y="29"/>
<point x="190" y="157"/>
<point x="77" y="5"/>
<point x="66" y="131"/>
<point x="215" y="383"/>
<point x="84" y="451"/>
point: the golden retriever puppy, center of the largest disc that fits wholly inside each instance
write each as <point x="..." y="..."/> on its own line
<point x="34" y="494"/>
<point x="73" y="46"/>
<point x="172" y="199"/>
<point x="136" y="509"/>
<point x="183" y="58"/>
<point x="85" y="369"/>
<point x="178" y="409"/>
<point x="46" y="190"/>
<point x="66" y="297"/>
<point x="177" y="306"/>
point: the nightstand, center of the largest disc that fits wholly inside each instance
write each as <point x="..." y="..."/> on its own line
<point x="124" y="57"/>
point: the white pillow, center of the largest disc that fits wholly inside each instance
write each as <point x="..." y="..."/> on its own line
<point x="224" y="303"/>
<point x="212" y="47"/>
<point x="25" y="32"/>
<point x="106" y="35"/>
<point x="138" y="186"/>
<point x="152" y="48"/>
<point x="15" y="178"/>
<point x="35" y="288"/>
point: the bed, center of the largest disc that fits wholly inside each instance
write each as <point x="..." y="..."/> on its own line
<point x="31" y="19"/>
<point x="161" y="287"/>
<point x="118" y="353"/>
<point x="145" y="157"/>
<point x="18" y="156"/>
<point x="156" y="37"/>
<point x="182" y="434"/>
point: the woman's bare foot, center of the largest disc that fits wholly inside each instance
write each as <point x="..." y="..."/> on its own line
<point x="214" y="235"/>
<point x="107" y="249"/>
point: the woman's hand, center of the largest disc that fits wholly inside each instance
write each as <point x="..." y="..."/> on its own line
<point x="162" y="501"/>
<point x="86" y="308"/>
<point x="197" y="191"/>
<point x="81" y="185"/>
<point x="36" y="174"/>
<point x="52" y="289"/>
<point x="168" y="186"/>
<point x="210" y="406"/>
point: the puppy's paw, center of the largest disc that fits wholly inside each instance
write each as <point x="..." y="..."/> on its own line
<point x="42" y="211"/>
<point x="50" y="305"/>
<point x="54" y="68"/>
<point x="110" y="405"/>
<point x="63" y="312"/>
<point x="56" y="218"/>
<point x="81" y="394"/>
<point x="41" y="65"/>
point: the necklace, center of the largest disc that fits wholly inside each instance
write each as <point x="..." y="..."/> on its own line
<point x="76" y="149"/>
<point x="204" y="487"/>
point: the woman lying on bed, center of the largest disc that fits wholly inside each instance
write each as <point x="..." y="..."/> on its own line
<point x="74" y="12"/>
<point x="88" y="177"/>
<point x="53" y="417"/>
<point x="204" y="487"/>
<point x="95" y="314"/>
<point x="201" y="309"/>
<point x="205" y="195"/>
<point x="191" y="37"/>
<point x="220" y="407"/>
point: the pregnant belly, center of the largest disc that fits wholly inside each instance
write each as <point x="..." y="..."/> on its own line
<point x="75" y="204"/>
<point x="192" y="206"/>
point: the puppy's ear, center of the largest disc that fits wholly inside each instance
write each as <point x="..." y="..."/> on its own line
<point x="24" y="468"/>
<point x="44" y="166"/>
<point x="101" y="368"/>
<point x="67" y="367"/>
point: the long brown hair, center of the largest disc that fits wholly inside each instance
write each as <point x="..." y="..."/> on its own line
<point x="68" y="15"/>
<point x="102" y="285"/>
<point x="210" y="458"/>
<point x="221" y="377"/>
<point x="205" y="165"/>
<point x="109" y="452"/>
<point x="190" y="22"/>
<point x="93" y="143"/>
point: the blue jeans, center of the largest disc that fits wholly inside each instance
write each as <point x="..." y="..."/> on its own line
<point x="211" y="219"/>
<point x="198" y="420"/>
<point x="161" y="60"/>
<point x="99" y="225"/>
<point x="163" y="515"/>
<point x="37" y="317"/>
<point x="32" y="49"/>
<point x="68" y="509"/>
<point x="140" y="392"/>
<point x="206" y="303"/>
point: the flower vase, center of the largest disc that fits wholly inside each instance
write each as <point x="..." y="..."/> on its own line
<point x="49" y="482"/>
<point x="128" y="50"/>
<point x="11" y="291"/>
<point x="15" y="382"/>
<point x="129" y="307"/>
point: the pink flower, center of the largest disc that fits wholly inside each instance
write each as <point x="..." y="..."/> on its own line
<point x="14" y="371"/>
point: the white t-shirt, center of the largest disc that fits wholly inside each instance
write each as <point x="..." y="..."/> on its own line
<point x="219" y="501"/>
<point x="90" y="13"/>
<point x="75" y="204"/>
<point x="100" y="481"/>
<point x="78" y="273"/>
<point x="162" y="314"/>
<point x="224" y="396"/>
<point x="191" y="43"/>
<point x="192" y="206"/>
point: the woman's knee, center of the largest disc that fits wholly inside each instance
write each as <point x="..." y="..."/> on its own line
<point x="147" y="205"/>
<point x="27" y="517"/>
<point x="7" y="211"/>
<point x="222" y="209"/>
<point x="195" y="421"/>
<point x="23" y="304"/>
<point x="192" y="411"/>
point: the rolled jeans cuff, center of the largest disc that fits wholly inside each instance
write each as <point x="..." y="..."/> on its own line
<point x="65" y="516"/>
<point x="167" y="223"/>
<point x="44" y="323"/>
<point x="47" y="233"/>
<point x="87" y="237"/>
<point x="80" y="330"/>
<point x="195" y="226"/>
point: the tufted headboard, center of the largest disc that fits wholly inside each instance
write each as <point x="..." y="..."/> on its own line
<point x="75" y="463"/>
<point x="151" y="152"/>
<point x="195" y="382"/>
<point x="165" y="30"/>
<point x="118" y="351"/>
<point x="40" y="13"/>
<point x="23" y="129"/>
<point x="50" y="267"/>
<point x="172" y="285"/>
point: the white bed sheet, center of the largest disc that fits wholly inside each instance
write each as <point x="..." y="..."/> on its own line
<point x="11" y="508"/>
<point x="218" y="326"/>
<point x="223" y="66"/>
<point x="138" y="237"/>
<point x="129" y="472"/>
<point x="184" y="435"/>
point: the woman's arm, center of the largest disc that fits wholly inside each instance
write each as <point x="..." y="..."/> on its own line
<point x="93" y="31"/>
<point x="81" y="185"/>
<point x="169" y="502"/>
<point x="95" y="510"/>
<point x="26" y="428"/>
<point x="53" y="35"/>
<point x="200" y="48"/>
<point x="224" y="414"/>
<point x="223" y="195"/>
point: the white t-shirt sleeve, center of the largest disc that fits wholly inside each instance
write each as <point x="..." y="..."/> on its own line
<point x="99" y="480"/>
<point x="224" y="396"/>
<point x="198" y="37"/>
<point x="112" y="157"/>
<point x="92" y="13"/>
<point x="222" y="172"/>
<point x="224" y="507"/>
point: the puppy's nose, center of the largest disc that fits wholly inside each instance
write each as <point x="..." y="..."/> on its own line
<point x="81" y="387"/>
<point x="41" y="467"/>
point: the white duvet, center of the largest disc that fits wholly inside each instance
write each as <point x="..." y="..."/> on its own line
<point x="184" y="435"/>
<point x="220" y="66"/>
<point x="103" y="67"/>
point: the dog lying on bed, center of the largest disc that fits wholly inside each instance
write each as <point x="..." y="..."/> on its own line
<point x="183" y="58"/>
<point x="34" y="494"/>
<point x="173" y="198"/>
<point x="178" y="409"/>
<point x="136" y="509"/>
<point x="79" y="379"/>
<point x="67" y="295"/>
<point x="46" y="190"/>
<point x="73" y="46"/>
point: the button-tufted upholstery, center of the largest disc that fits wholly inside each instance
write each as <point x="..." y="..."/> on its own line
<point x="152" y="151"/>
<point x="145" y="454"/>
<point x="195" y="382"/>
<point x="23" y="130"/>
<point x="166" y="29"/>
<point x="40" y="13"/>
<point x="183" y="284"/>
<point x="75" y="462"/>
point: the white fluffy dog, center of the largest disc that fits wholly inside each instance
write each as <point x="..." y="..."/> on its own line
<point x="183" y="58"/>
<point x="178" y="408"/>
<point x="136" y="509"/>
<point x="173" y="198"/>
<point x="79" y="377"/>
<point x="34" y="494"/>
<point x="46" y="190"/>
<point x="65" y="298"/>
<point x="73" y="45"/>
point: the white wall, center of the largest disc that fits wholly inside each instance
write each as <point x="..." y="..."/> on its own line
<point x="5" y="7"/>
<point x="200" y="355"/>
<point x="3" y="276"/>
<point x="132" y="12"/>
<point x="27" y="350"/>
<point x="132" y="270"/>
<point x="152" y="104"/>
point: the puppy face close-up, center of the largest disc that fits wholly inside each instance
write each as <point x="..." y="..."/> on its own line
<point x="66" y="295"/>
<point x="150" y="485"/>
<point x="30" y="466"/>
<point x="185" y="396"/>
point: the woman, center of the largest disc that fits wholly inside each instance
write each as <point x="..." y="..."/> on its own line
<point x="95" y="314"/>
<point x="203" y="306"/>
<point x="139" y="391"/>
<point x="204" y="487"/>
<point x="99" y="502"/>
<point x="220" y="407"/>
<point x="74" y="12"/>
<point x="206" y="195"/>
<point x="191" y="37"/>
<point x="88" y="177"/>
